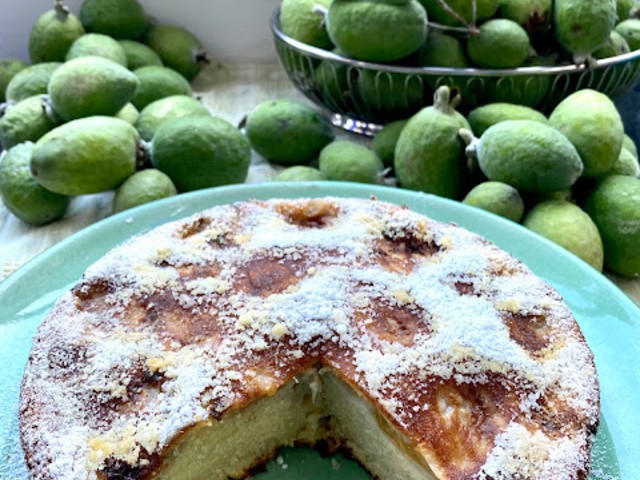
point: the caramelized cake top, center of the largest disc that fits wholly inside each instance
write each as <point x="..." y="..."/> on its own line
<point x="476" y="361"/>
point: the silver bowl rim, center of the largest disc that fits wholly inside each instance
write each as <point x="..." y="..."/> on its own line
<point x="440" y="71"/>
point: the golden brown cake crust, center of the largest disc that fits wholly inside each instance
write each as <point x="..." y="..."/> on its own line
<point x="468" y="354"/>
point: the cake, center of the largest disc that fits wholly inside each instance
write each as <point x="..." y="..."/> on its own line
<point x="196" y="350"/>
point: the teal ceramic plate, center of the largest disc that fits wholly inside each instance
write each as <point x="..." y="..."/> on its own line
<point x="609" y="319"/>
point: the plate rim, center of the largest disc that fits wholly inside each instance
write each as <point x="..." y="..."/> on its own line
<point x="425" y="203"/>
<point x="347" y="186"/>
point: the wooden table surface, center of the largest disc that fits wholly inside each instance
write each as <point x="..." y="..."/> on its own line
<point x="230" y="92"/>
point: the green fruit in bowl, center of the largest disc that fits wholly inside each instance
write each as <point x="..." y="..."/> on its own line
<point x="201" y="152"/>
<point x="90" y="86"/>
<point x="590" y="120"/>
<point x="143" y="187"/>
<point x="350" y="162"/>
<point x="583" y="26"/>
<point x="527" y="155"/>
<point x="391" y="95"/>
<point x="429" y="155"/>
<point x="630" y="31"/>
<point x="288" y="132"/>
<point x="8" y="70"/>
<point x="616" y="45"/>
<point x="52" y="35"/>
<point x="498" y="198"/>
<point x="139" y="55"/>
<point x="570" y="227"/>
<point x="178" y="48"/>
<point x="97" y="45"/>
<point x="532" y="15"/>
<point x="528" y="90"/>
<point x="442" y="50"/>
<point x="158" y="82"/>
<point x="361" y="28"/>
<point x="333" y="83"/>
<point x="299" y="19"/>
<point x="88" y="155"/>
<point x="300" y="173"/>
<point x="27" y="120"/>
<point x="491" y="114"/>
<point x="614" y="206"/>
<point x="30" y="81"/>
<point x="116" y="18"/>
<point x="623" y="9"/>
<point x="463" y="9"/>
<point x="500" y="43"/>
<point x="157" y="113"/>
<point x="20" y="193"/>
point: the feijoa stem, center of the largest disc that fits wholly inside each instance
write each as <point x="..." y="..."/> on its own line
<point x="471" y="151"/>
<point x="467" y="27"/>
<point x="469" y="139"/>
<point x="446" y="99"/>
<point x="48" y="110"/>
<point x="61" y="9"/>
<point x="200" y="57"/>
<point x="471" y="30"/>
<point x="321" y="11"/>
<point x="143" y="155"/>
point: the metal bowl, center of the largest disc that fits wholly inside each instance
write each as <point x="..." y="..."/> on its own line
<point x="363" y="96"/>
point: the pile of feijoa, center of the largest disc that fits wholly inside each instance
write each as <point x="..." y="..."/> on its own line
<point x="107" y="105"/>
<point x="571" y="177"/>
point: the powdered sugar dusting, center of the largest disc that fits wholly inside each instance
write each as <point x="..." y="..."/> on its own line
<point x="176" y="326"/>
